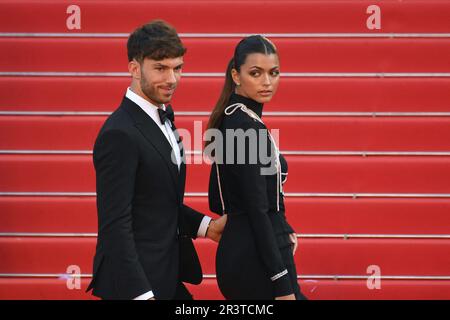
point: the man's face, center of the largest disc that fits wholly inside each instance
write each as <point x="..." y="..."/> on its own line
<point x="159" y="79"/>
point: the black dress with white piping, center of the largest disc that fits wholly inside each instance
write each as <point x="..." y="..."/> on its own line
<point x="254" y="257"/>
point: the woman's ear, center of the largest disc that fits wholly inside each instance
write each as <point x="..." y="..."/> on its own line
<point x="236" y="77"/>
<point x="134" y="68"/>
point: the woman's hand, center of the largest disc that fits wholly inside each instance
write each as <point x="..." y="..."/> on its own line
<point x="288" y="297"/>
<point x="216" y="227"/>
<point x="293" y="238"/>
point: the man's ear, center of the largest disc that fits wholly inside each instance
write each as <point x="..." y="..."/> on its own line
<point x="235" y="76"/>
<point x="135" y="69"/>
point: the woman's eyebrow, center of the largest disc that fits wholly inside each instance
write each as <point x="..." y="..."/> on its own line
<point x="259" y="68"/>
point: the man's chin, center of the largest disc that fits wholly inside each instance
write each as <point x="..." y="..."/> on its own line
<point x="158" y="99"/>
<point x="166" y="99"/>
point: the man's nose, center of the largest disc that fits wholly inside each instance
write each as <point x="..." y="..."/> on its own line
<point x="171" y="77"/>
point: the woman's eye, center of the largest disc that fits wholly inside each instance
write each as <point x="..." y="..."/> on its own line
<point x="254" y="74"/>
<point x="275" y="73"/>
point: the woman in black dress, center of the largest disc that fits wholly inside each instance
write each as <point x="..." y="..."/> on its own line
<point x="255" y="254"/>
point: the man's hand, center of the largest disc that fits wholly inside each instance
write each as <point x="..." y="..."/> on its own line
<point x="215" y="228"/>
<point x="288" y="297"/>
<point x="293" y="238"/>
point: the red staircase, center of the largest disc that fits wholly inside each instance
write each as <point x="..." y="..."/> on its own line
<point x="364" y="120"/>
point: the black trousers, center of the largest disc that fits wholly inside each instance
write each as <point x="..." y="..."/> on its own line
<point x="182" y="293"/>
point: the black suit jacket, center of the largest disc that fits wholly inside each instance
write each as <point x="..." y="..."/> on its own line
<point x="141" y="214"/>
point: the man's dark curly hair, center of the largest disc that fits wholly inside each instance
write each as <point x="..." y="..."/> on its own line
<point x="156" y="40"/>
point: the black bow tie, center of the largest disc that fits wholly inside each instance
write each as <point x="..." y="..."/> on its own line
<point x="167" y="114"/>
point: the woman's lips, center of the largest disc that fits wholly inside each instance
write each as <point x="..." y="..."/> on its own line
<point x="265" y="93"/>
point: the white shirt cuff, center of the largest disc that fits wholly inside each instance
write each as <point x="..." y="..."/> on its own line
<point x="145" y="296"/>
<point x="203" y="226"/>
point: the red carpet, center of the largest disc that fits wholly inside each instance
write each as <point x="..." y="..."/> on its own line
<point x="340" y="92"/>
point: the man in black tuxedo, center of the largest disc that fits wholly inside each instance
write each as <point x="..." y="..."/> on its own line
<point x="144" y="247"/>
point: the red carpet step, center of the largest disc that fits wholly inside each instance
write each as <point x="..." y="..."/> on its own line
<point x="306" y="215"/>
<point x="294" y="94"/>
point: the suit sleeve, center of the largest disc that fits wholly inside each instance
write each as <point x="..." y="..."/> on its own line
<point x="192" y="220"/>
<point x="287" y="226"/>
<point x="115" y="161"/>
<point x="253" y="195"/>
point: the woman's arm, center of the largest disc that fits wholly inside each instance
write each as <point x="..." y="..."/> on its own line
<point x="252" y="188"/>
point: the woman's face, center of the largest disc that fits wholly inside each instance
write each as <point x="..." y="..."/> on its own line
<point x="259" y="77"/>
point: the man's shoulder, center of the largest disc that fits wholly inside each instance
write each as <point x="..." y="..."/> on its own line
<point x="118" y="120"/>
<point x="118" y="123"/>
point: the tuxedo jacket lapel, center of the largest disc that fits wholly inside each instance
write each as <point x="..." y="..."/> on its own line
<point x="182" y="172"/>
<point x="153" y="134"/>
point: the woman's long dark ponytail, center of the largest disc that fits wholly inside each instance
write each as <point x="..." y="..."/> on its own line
<point x="228" y="88"/>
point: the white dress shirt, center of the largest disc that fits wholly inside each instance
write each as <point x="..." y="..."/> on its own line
<point x="152" y="111"/>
